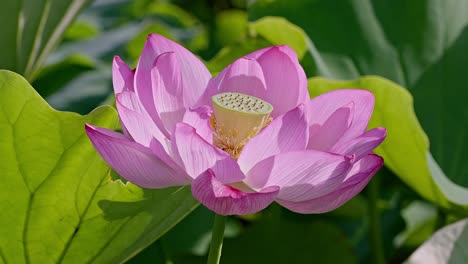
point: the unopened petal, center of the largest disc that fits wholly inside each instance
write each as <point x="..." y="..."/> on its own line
<point x="133" y="161"/>
<point x="226" y="200"/>
<point x="301" y="175"/>
<point x="357" y="178"/>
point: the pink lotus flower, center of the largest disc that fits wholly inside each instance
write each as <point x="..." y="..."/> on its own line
<point x="246" y="138"/>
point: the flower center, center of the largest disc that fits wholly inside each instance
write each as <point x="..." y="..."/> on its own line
<point x="237" y="118"/>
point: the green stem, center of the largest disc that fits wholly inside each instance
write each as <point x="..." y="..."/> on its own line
<point x="375" y="230"/>
<point x="216" y="240"/>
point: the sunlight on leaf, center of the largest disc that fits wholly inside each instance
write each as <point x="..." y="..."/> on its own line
<point x="61" y="203"/>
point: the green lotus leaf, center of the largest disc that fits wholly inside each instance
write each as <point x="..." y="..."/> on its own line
<point x="58" y="200"/>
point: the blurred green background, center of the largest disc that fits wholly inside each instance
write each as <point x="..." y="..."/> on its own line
<point x="64" y="49"/>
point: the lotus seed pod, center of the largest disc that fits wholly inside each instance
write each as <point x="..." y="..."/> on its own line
<point x="239" y="116"/>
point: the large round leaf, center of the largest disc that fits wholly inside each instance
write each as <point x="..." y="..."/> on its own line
<point x="58" y="201"/>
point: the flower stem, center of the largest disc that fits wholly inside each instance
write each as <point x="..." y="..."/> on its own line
<point x="216" y="240"/>
<point x="375" y="230"/>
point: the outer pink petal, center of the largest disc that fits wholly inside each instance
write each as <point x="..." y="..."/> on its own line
<point x="168" y="91"/>
<point x="226" y="200"/>
<point x="196" y="155"/>
<point x="355" y="181"/>
<point x="301" y="175"/>
<point x="133" y="161"/>
<point x="320" y="108"/>
<point x="195" y="75"/>
<point x="324" y="137"/>
<point x="199" y="118"/>
<point x="242" y="76"/>
<point x="285" y="133"/>
<point x="304" y="93"/>
<point x="122" y="76"/>
<point x="285" y="79"/>
<point x="137" y="122"/>
<point x="362" y="145"/>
